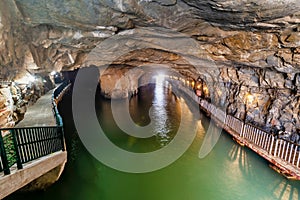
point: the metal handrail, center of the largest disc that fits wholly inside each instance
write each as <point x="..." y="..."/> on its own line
<point x="22" y="145"/>
<point x="254" y="135"/>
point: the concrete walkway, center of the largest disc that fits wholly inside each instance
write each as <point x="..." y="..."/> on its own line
<point x="43" y="171"/>
<point x="39" y="114"/>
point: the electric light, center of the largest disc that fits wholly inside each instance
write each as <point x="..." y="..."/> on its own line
<point x="193" y="83"/>
<point x="160" y="77"/>
<point x="27" y="78"/>
<point x="31" y="78"/>
<point x="249" y="98"/>
<point x="205" y="90"/>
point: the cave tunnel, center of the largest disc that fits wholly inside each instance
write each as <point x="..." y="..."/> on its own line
<point x="166" y="99"/>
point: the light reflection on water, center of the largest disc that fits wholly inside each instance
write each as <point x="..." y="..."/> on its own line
<point x="228" y="172"/>
<point x="159" y="113"/>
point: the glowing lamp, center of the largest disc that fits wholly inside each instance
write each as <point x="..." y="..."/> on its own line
<point x="53" y="73"/>
<point x="249" y="97"/>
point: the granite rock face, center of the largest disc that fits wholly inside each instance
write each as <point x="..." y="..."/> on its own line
<point x="238" y="47"/>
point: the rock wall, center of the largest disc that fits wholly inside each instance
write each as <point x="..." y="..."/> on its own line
<point x="42" y="35"/>
<point x="15" y="99"/>
<point x="246" y="48"/>
<point x="120" y="81"/>
<point x="262" y="97"/>
<point x="6" y="108"/>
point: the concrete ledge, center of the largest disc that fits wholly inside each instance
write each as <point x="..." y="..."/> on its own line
<point x="32" y="171"/>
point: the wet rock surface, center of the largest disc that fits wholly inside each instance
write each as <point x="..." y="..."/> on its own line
<point x="248" y="52"/>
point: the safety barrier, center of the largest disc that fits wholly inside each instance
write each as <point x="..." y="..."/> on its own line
<point x="22" y="145"/>
<point x="281" y="149"/>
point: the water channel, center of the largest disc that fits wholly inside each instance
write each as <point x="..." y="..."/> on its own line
<point x="229" y="171"/>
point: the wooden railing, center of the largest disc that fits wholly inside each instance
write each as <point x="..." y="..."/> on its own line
<point x="22" y="145"/>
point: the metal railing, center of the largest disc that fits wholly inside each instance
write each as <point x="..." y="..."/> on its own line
<point x="274" y="147"/>
<point x="22" y="145"/>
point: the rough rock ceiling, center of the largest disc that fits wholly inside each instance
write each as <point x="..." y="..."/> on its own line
<point x="45" y="35"/>
<point x="249" y="45"/>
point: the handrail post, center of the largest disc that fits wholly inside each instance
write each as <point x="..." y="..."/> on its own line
<point x="62" y="139"/>
<point x="271" y="145"/>
<point x="19" y="162"/>
<point x="5" y="166"/>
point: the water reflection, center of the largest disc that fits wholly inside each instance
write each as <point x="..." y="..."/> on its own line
<point x="228" y="172"/>
<point x="159" y="112"/>
<point x="239" y="158"/>
<point x="242" y="165"/>
<point x="284" y="190"/>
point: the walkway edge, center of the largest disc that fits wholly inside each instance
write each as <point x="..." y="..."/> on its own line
<point x="17" y="180"/>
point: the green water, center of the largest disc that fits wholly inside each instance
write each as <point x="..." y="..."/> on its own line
<point x="228" y="172"/>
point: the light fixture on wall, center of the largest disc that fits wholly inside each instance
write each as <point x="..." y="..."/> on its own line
<point x="249" y="98"/>
<point x="26" y="79"/>
<point x="193" y="84"/>
<point x="205" y="90"/>
<point x="53" y="73"/>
